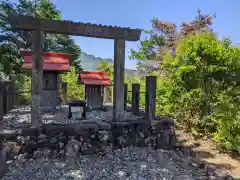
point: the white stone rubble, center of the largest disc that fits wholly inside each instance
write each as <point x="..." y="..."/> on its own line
<point x="131" y="164"/>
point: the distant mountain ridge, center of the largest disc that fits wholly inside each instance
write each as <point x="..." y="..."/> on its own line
<point x="91" y="62"/>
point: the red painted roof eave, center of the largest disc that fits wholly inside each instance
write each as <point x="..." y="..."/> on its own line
<point x="96" y="82"/>
<point x="94" y="78"/>
<point x="48" y="69"/>
<point x="29" y="53"/>
<point x="53" y="61"/>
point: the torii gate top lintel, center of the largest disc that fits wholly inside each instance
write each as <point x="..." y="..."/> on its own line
<point x="30" y="23"/>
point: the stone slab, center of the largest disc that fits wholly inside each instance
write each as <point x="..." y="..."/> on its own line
<point x="102" y="125"/>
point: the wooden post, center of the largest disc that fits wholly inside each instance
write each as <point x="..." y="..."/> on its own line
<point x="118" y="92"/>
<point x="4" y="98"/>
<point x="86" y="91"/>
<point x="105" y="95"/>
<point x="7" y="97"/>
<point x="13" y="94"/>
<point x="1" y="100"/>
<point x="102" y="94"/>
<point x="37" y="76"/>
<point x="150" y="103"/>
<point x="135" y="97"/>
<point x="125" y="95"/>
<point x="64" y="92"/>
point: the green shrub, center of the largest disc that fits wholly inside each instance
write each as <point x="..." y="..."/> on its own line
<point x="75" y="90"/>
<point x="23" y="85"/>
<point x="200" y="88"/>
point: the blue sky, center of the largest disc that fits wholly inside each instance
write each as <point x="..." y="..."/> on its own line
<point x="138" y="13"/>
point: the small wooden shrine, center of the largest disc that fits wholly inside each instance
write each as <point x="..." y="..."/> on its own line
<point x="94" y="82"/>
<point x="53" y="64"/>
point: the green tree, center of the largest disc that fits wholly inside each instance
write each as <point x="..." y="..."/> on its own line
<point x="163" y="38"/>
<point x="13" y="41"/>
<point x="104" y="66"/>
<point x="201" y="88"/>
<point x="75" y="90"/>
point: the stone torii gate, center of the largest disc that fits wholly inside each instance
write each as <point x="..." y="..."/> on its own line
<point x="38" y="26"/>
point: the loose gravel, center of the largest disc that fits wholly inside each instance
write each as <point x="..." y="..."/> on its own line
<point x="122" y="164"/>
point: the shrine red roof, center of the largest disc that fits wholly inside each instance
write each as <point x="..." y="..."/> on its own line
<point x="52" y="61"/>
<point x="94" y="78"/>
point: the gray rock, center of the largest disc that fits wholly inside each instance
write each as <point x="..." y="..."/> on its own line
<point x="20" y="140"/>
<point x="227" y="177"/>
<point x="210" y="169"/>
<point x="8" y="134"/>
<point x="213" y="178"/>
<point x="163" y="123"/>
<point x="104" y="136"/>
<point x="38" y="154"/>
<point x="6" y="152"/>
<point x="46" y="152"/>
<point x="22" y="157"/>
<point x="182" y="177"/>
<point x="31" y="131"/>
<point x="3" y="169"/>
<point x="42" y="136"/>
<point x="72" y="149"/>
<point x="77" y="128"/>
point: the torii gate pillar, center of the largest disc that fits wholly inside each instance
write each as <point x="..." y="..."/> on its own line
<point x="37" y="76"/>
<point x="118" y="92"/>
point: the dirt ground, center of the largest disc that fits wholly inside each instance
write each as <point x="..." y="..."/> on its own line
<point x="204" y="150"/>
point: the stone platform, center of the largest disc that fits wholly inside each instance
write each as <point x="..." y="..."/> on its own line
<point x="63" y="138"/>
<point x="20" y="117"/>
